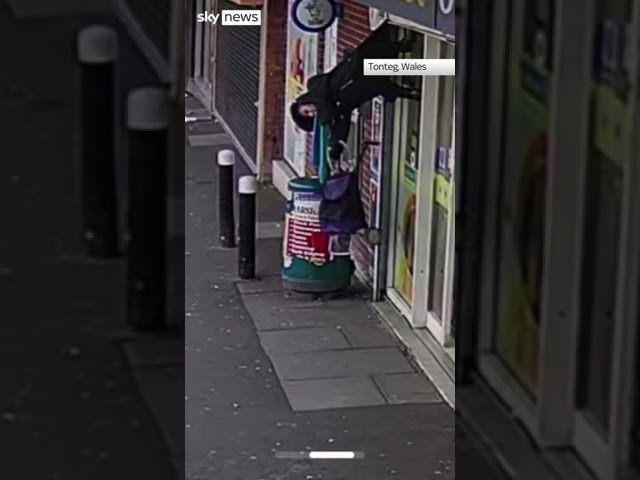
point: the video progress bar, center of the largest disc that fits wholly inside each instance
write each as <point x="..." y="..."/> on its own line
<point x="319" y="455"/>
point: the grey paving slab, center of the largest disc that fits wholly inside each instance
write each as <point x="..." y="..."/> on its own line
<point x="303" y="340"/>
<point x="154" y="352"/>
<point x="266" y="284"/>
<point x="326" y="394"/>
<point x="422" y="356"/>
<point x="270" y="230"/>
<point x="273" y="311"/>
<point x="271" y="205"/>
<point x="368" y="336"/>
<point x="339" y="363"/>
<point x="191" y="103"/>
<point x="269" y="257"/>
<point x="204" y="125"/>
<point x="407" y="388"/>
<point x="209" y="140"/>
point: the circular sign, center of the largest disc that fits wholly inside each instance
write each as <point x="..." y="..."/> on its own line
<point x="446" y="6"/>
<point x="313" y="16"/>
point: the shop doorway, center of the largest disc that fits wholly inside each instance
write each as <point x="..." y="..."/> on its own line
<point x="420" y="259"/>
<point x="441" y="252"/>
<point x="558" y="280"/>
<point x="407" y="152"/>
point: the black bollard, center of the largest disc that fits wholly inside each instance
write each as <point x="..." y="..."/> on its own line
<point x="226" y="161"/>
<point x="97" y="53"/>
<point x="247" y="188"/>
<point x="147" y="121"/>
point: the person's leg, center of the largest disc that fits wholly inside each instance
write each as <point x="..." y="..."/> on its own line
<point x="389" y="49"/>
<point x="382" y="43"/>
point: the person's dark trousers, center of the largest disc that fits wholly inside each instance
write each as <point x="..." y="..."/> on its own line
<point x="380" y="44"/>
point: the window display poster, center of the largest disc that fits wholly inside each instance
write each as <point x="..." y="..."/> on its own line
<point x="406" y="204"/>
<point x="522" y="254"/>
<point x="302" y="63"/>
<point x="377" y="134"/>
<point x="303" y="235"/>
<point x="405" y="246"/>
<point x="331" y="47"/>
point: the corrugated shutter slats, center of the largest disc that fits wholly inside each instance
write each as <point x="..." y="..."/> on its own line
<point x="238" y="79"/>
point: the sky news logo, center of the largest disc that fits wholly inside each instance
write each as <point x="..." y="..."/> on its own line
<point x="232" y="17"/>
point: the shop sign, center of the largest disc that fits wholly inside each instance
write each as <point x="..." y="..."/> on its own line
<point x="435" y="14"/>
<point x="445" y="7"/>
<point x="331" y="47"/>
<point x="422" y="12"/>
<point x="446" y="17"/>
<point x="313" y="16"/>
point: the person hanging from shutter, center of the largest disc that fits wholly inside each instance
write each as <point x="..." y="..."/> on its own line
<point x="331" y="97"/>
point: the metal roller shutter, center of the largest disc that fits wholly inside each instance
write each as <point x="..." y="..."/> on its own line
<point x="154" y="17"/>
<point x="238" y="78"/>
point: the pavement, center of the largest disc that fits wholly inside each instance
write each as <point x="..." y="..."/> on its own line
<point x="71" y="405"/>
<point x="270" y="375"/>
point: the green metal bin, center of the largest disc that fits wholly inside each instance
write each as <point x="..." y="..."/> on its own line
<point x="309" y="265"/>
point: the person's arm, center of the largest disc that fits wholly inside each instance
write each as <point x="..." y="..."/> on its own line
<point x="338" y="133"/>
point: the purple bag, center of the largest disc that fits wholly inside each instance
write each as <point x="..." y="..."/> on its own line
<point x="341" y="210"/>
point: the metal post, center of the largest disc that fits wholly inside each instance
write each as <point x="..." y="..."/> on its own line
<point x="247" y="189"/>
<point x="148" y="122"/>
<point x="226" y="219"/>
<point x="97" y="53"/>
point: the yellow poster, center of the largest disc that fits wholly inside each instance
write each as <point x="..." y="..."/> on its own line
<point x="522" y="249"/>
<point x="407" y="219"/>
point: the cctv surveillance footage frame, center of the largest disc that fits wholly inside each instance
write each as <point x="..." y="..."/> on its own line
<point x="390" y="239"/>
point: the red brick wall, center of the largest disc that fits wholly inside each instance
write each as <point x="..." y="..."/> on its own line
<point x="276" y="64"/>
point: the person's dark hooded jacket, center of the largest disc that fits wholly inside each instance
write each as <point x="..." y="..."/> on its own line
<point x="334" y="102"/>
<point x="342" y="90"/>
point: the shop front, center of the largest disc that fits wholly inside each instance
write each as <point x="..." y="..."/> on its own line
<point x="407" y="181"/>
<point x="420" y="253"/>
<point x="416" y="185"/>
<point x="560" y="273"/>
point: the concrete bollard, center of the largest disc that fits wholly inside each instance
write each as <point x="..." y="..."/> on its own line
<point x="97" y="53"/>
<point x="247" y="189"/>
<point x="226" y="162"/>
<point x="147" y="121"/>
